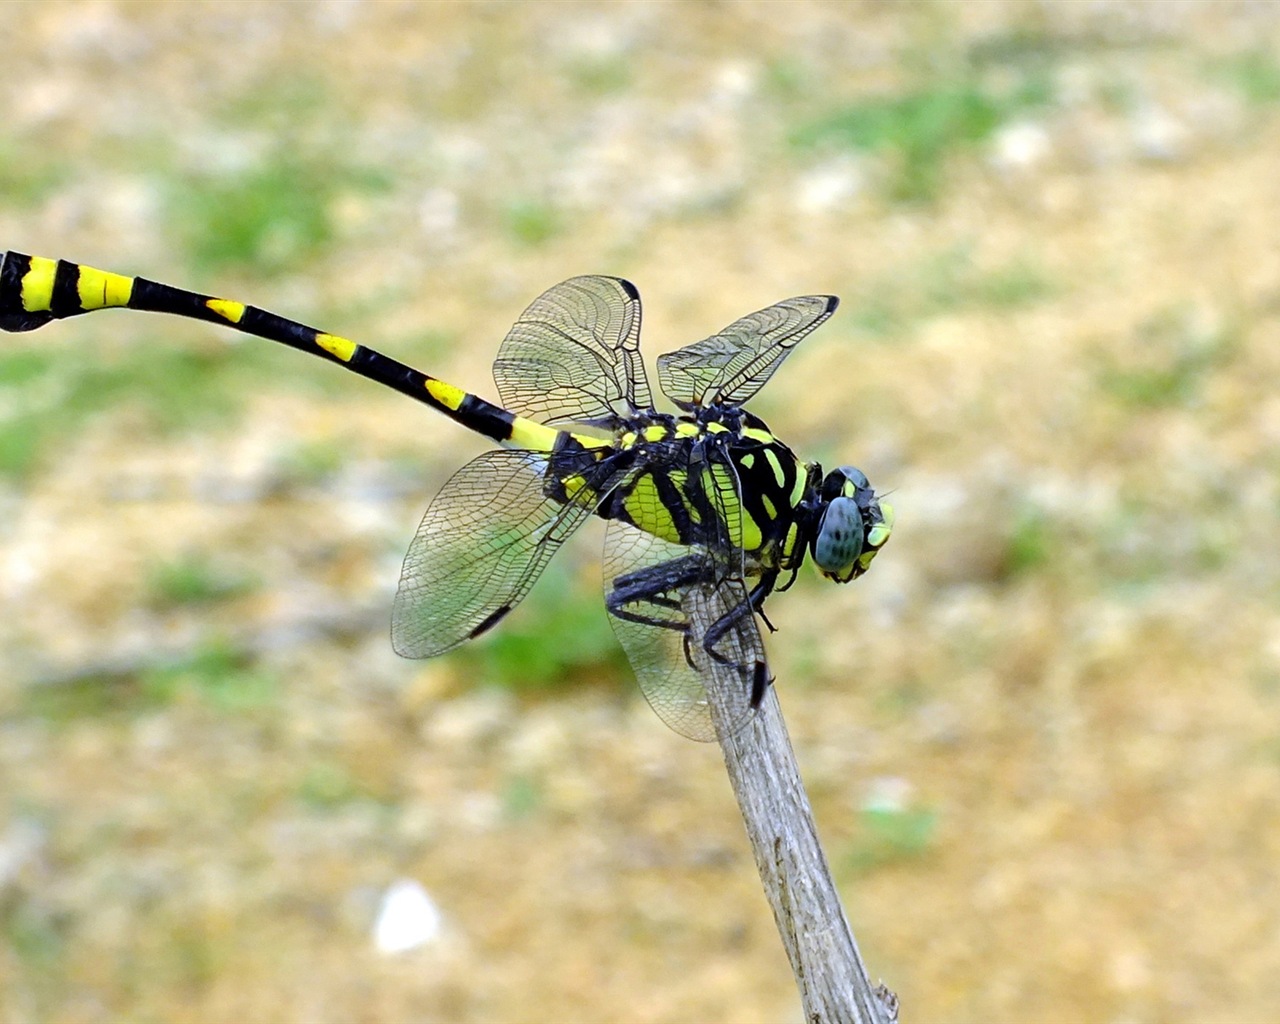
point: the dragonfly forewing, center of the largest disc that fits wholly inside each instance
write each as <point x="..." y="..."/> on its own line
<point x="574" y="355"/>
<point x="729" y="367"/>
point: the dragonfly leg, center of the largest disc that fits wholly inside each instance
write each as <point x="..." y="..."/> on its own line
<point x="761" y="679"/>
<point x="654" y="587"/>
<point x="762" y="590"/>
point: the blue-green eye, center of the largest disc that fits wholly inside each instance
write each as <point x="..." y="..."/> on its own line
<point x="856" y="477"/>
<point x="839" y="540"/>
<point x="845" y="482"/>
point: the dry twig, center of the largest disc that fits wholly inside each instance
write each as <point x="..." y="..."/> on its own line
<point x="833" y="981"/>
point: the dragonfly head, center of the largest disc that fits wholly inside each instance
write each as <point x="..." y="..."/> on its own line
<point x="853" y="525"/>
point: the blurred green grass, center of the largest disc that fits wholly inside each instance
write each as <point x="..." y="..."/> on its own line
<point x="890" y="836"/>
<point x="1254" y="72"/>
<point x="959" y="101"/>
<point x="1049" y="655"/>
<point x="531" y="223"/>
<point x="29" y="176"/>
<point x="557" y="639"/>
<point x="1170" y="359"/>
<point x="196" y="579"/>
<point x="948" y="281"/>
<point x="54" y="393"/>
<point x="265" y="219"/>
<point x="214" y="674"/>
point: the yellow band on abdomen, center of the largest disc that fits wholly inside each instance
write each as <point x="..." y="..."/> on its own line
<point x="230" y="311"/>
<point x="533" y="436"/>
<point x="337" y="346"/>
<point x="99" y="289"/>
<point x="446" y="394"/>
<point x="37" y="285"/>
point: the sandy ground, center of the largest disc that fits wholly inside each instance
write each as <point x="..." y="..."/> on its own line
<point x="1041" y="736"/>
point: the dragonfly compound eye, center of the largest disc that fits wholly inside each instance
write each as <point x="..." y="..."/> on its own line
<point x="839" y="541"/>
<point x="845" y="481"/>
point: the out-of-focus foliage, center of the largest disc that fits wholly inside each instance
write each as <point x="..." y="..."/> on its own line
<point x="1050" y="710"/>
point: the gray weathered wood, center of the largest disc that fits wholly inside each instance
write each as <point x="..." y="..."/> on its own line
<point x="833" y="982"/>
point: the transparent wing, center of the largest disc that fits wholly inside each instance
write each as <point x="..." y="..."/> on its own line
<point x="733" y="667"/>
<point x="733" y="365"/>
<point x="664" y="603"/>
<point x="683" y="613"/>
<point x="482" y="544"/>
<point x="574" y="355"/>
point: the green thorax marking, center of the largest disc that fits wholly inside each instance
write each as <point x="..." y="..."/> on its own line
<point x="660" y="499"/>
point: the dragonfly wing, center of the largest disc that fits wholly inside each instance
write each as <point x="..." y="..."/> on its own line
<point x="664" y="603"/>
<point x="733" y="365"/>
<point x="732" y="666"/>
<point x="683" y="613"/>
<point x="482" y="544"/>
<point x="574" y="355"/>
<point x="716" y="486"/>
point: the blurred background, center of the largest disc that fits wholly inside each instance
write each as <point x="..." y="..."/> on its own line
<point x="1041" y="735"/>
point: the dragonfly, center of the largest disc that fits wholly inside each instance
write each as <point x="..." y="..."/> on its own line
<point x="707" y="512"/>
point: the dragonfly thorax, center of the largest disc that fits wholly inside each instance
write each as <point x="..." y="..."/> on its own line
<point x="715" y="472"/>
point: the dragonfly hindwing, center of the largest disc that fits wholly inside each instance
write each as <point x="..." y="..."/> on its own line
<point x="574" y="355"/>
<point x="682" y="611"/>
<point x="482" y="544"/>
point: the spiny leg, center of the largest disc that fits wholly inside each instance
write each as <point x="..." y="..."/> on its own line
<point x="652" y="587"/>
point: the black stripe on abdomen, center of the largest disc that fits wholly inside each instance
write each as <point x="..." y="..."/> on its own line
<point x="484" y="418"/>
<point x="13" y="315"/>
<point x="64" y="297"/>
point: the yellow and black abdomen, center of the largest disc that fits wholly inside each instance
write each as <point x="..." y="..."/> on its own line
<point x="35" y="291"/>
